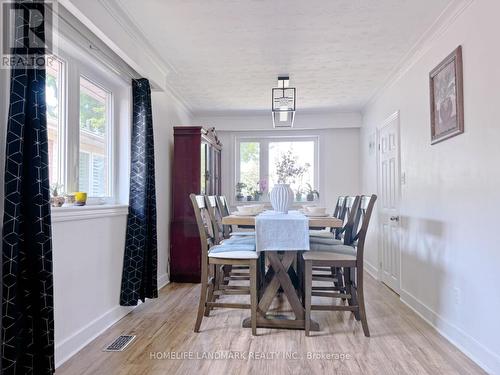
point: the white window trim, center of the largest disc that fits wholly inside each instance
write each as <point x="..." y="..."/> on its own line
<point x="73" y="213"/>
<point x="78" y="62"/>
<point x="264" y="141"/>
<point x="110" y="136"/>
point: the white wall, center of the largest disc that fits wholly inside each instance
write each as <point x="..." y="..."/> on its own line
<point x="450" y="256"/>
<point x="88" y="259"/>
<point x="263" y="121"/>
<point x="167" y="113"/>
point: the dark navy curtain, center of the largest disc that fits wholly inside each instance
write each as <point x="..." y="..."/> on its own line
<point x="27" y="335"/>
<point x="139" y="278"/>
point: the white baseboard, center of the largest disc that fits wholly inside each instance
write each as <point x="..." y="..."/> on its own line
<point x="163" y="280"/>
<point x="371" y="269"/>
<point x="73" y="344"/>
<point x="476" y="351"/>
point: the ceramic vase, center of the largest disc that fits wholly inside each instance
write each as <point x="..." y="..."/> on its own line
<point x="281" y="198"/>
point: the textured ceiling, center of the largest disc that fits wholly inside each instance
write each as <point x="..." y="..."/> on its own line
<point x="225" y="55"/>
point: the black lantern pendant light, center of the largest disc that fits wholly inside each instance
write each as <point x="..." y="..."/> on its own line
<point x="283" y="104"/>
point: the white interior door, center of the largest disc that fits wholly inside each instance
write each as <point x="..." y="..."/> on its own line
<point x="389" y="177"/>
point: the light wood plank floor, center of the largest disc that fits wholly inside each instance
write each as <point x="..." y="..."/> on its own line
<point x="401" y="342"/>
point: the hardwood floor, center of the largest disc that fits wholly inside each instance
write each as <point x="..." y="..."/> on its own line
<point x="400" y="342"/>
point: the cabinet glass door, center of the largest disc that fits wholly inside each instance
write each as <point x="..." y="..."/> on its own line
<point x="204" y="169"/>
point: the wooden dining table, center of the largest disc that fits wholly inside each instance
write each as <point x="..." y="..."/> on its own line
<point x="281" y="276"/>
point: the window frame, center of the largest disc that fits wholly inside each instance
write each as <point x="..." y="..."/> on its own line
<point x="264" y="141"/>
<point x="109" y="136"/>
<point x="79" y="63"/>
<point x="62" y="121"/>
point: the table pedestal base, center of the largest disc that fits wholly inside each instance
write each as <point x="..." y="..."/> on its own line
<point x="280" y="321"/>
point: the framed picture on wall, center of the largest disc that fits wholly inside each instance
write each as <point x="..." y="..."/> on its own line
<point x="447" y="98"/>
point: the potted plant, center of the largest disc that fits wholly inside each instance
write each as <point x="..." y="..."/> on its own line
<point x="311" y="193"/>
<point x="56" y="200"/>
<point x="298" y="195"/>
<point x="239" y="189"/>
<point x="288" y="171"/>
<point x="261" y="188"/>
<point x="256" y="195"/>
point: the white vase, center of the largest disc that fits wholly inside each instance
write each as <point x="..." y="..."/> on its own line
<point x="281" y="198"/>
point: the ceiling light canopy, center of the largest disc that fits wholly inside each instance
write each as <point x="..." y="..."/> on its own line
<point x="283" y="104"/>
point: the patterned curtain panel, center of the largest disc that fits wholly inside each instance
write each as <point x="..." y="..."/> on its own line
<point x="139" y="278"/>
<point x="27" y="335"/>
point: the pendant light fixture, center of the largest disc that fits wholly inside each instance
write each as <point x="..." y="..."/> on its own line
<point x="283" y="104"/>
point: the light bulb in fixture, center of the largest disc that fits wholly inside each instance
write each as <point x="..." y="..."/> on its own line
<point x="283" y="113"/>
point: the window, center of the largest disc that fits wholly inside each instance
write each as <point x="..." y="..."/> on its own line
<point x="299" y="157"/>
<point x="261" y="161"/>
<point x="94" y="139"/>
<point x="82" y="138"/>
<point x="55" y="105"/>
<point x="250" y="165"/>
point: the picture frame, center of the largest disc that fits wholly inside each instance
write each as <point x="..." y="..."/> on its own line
<point x="446" y="98"/>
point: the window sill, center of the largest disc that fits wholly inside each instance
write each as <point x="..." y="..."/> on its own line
<point x="73" y="213"/>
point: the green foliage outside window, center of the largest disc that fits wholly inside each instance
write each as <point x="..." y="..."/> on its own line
<point x="92" y="114"/>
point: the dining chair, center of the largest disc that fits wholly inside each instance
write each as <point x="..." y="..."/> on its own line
<point x="213" y="257"/>
<point x="342" y="210"/>
<point x="350" y="260"/>
<point x="228" y="272"/>
<point x="341" y="236"/>
<point x="228" y="231"/>
<point x="324" y="232"/>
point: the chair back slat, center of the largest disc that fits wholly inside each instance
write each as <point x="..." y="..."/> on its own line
<point x="350" y="203"/>
<point x="362" y="222"/>
<point x="204" y="223"/>
<point x="223" y="212"/>
<point x="348" y="231"/>
<point x="224" y="206"/>
<point x="215" y="217"/>
<point x="339" y="206"/>
<point x="340" y="213"/>
<point x="344" y="214"/>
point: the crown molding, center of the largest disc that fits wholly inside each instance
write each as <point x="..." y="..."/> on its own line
<point x="117" y="11"/>
<point x="447" y="18"/>
<point x="182" y="101"/>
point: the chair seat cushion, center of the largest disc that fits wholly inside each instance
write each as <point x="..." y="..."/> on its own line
<point x="233" y="251"/>
<point x="325" y="241"/>
<point x="327" y="256"/>
<point x="321" y="234"/>
<point x="339" y="249"/>
<point x="242" y="234"/>
<point x="240" y="240"/>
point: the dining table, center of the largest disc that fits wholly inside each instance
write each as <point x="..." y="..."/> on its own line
<point x="282" y="275"/>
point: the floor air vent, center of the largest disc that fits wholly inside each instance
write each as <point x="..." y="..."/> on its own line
<point x="119" y="344"/>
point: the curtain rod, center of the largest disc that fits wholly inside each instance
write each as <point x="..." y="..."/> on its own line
<point x="122" y="68"/>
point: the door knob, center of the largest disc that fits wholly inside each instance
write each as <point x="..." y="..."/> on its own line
<point x="394" y="218"/>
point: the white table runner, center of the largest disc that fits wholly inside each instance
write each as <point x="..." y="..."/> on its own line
<point x="281" y="232"/>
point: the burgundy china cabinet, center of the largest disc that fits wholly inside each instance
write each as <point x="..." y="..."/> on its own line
<point x="196" y="169"/>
